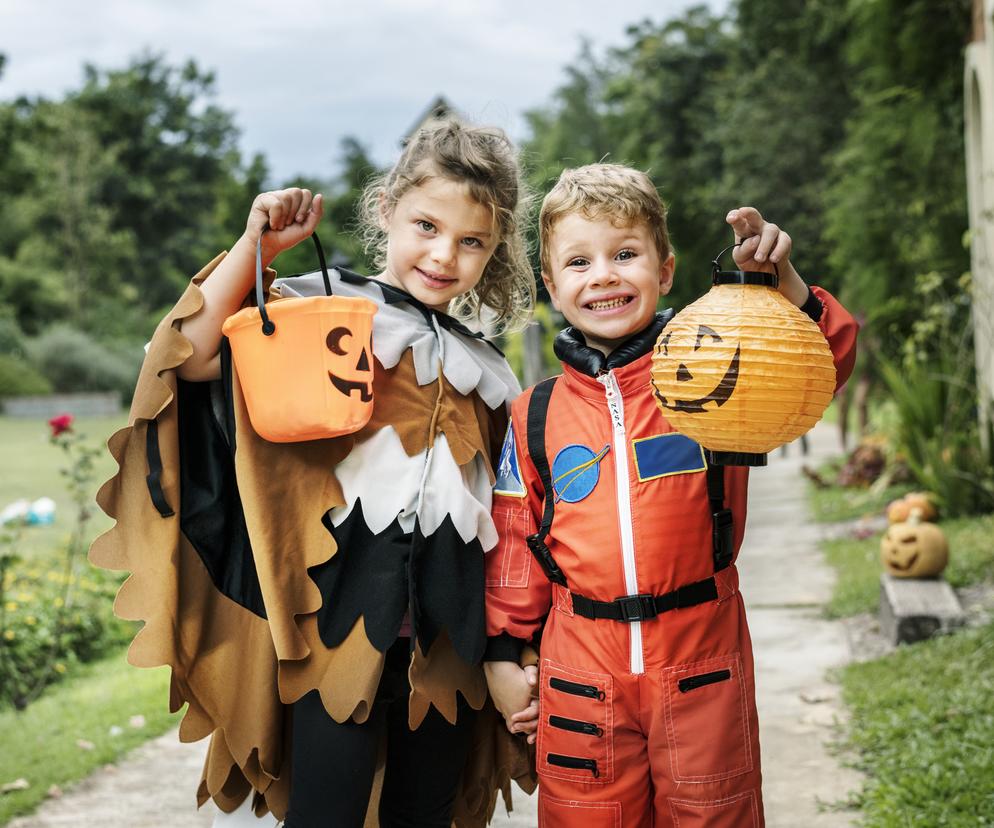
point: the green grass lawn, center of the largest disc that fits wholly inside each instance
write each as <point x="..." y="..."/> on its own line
<point x="923" y="727"/>
<point x="31" y="470"/>
<point x="40" y="743"/>
<point x="857" y="563"/>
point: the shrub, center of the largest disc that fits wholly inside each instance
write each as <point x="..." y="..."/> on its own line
<point x="19" y="378"/>
<point x="36" y="648"/>
<point x="73" y="361"/>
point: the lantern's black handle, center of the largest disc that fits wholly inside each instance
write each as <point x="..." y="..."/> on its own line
<point x="268" y="326"/>
<point x="743" y="277"/>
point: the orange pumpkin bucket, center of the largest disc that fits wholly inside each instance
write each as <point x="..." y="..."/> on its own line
<point x="305" y="365"/>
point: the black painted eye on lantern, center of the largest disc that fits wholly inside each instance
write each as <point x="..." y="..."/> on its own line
<point x="700" y="388"/>
<point x="350" y="378"/>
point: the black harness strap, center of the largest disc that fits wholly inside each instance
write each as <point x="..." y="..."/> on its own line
<point x="628" y="608"/>
<point x="722" y="535"/>
<point x="538" y="410"/>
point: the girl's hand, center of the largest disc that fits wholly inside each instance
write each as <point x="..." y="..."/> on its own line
<point x="763" y="243"/>
<point x="291" y="214"/>
<point x="510" y="687"/>
<point x="525" y="721"/>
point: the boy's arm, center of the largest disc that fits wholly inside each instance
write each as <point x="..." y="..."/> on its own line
<point x="839" y="328"/>
<point x="518" y="595"/>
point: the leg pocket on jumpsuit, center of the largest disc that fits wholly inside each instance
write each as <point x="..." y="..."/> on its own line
<point x="739" y="811"/>
<point x="566" y="813"/>
<point x="707" y="720"/>
<point x="576" y="724"/>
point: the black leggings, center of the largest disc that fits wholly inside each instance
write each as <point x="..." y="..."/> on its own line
<point x="334" y="764"/>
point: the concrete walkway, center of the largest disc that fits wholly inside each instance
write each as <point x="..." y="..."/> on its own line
<point x="784" y="583"/>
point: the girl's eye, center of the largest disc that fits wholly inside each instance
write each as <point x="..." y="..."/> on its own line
<point x="624" y="255"/>
<point x="427" y="226"/>
<point x="577" y="262"/>
<point x="470" y="241"/>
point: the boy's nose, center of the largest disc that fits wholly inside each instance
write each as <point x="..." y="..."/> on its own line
<point x="603" y="273"/>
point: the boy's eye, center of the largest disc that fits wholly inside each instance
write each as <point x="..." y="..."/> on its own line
<point x="579" y="261"/>
<point x="427" y="226"/>
<point x="624" y="255"/>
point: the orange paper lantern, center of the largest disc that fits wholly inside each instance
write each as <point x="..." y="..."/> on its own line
<point x="305" y="365"/>
<point x="742" y="370"/>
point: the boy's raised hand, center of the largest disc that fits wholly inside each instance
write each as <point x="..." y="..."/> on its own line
<point x="762" y="241"/>
<point x="764" y="245"/>
<point x="291" y="214"/>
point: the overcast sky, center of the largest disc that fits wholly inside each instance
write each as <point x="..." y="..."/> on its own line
<point x="301" y="74"/>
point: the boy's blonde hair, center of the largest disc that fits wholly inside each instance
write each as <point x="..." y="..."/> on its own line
<point x="483" y="159"/>
<point x="621" y="194"/>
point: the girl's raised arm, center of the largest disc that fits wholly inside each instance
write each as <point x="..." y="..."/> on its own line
<point x="291" y="216"/>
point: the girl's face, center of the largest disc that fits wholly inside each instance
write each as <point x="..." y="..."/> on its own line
<point x="438" y="242"/>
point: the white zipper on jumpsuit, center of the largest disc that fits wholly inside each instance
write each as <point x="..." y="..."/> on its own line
<point x="624" y="498"/>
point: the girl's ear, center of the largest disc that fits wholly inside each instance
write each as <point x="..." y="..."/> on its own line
<point x="384" y="212"/>
<point x="550" y="286"/>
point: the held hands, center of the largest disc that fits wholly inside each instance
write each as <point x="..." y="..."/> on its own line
<point x="764" y="245"/>
<point x="511" y="688"/>
<point x="292" y="215"/>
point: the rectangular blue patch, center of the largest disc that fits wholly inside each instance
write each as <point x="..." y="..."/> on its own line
<point x="667" y="454"/>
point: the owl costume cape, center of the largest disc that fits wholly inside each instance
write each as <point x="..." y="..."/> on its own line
<point x="263" y="571"/>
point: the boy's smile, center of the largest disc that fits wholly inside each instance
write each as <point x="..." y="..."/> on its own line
<point x="606" y="280"/>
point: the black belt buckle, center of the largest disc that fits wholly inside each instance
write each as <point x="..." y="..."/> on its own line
<point x="637" y="607"/>
<point x="723" y="538"/>
<point x="545" y="560"/>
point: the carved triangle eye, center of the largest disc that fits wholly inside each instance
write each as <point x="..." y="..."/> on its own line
<point x="363" y="363"/>
<point x="704" y="331"/>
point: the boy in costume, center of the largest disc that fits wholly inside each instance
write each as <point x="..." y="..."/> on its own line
<point x="646" y="708"/>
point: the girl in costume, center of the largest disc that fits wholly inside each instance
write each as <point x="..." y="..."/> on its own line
<point x="320" y="602"/>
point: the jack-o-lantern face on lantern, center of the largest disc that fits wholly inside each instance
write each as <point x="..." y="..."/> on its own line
<point x="353" y="376"/>
<point x="698" y="394"/>
<point x="914" y="550"/>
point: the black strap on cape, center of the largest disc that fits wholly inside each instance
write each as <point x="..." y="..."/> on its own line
<point x="154" y="477"/>
<point x="628" y="608"/>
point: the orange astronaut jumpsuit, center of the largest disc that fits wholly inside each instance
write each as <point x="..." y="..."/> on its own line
<point x="647" y="709"/>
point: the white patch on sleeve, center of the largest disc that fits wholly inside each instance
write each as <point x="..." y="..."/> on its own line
<point x="509" y="468"/>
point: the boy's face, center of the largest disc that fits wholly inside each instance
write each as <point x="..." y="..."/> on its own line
<point x="606" y="280"/>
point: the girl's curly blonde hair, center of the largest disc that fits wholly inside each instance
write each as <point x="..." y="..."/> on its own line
<point x="483" y="159"/>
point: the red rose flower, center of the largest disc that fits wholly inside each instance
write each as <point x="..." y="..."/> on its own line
<point x="59" y="424"/>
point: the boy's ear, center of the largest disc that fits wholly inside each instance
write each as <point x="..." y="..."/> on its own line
<point x="666" y="274"/>
<point x="550" y="286"/>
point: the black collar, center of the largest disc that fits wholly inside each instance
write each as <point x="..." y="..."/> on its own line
<point x="393" y="295"/>
<point x="572" y="348"/>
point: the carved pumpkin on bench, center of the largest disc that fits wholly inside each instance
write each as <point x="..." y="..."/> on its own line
<point x="914" y="549"/>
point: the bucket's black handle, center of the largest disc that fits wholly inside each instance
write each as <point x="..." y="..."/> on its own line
<point x="742" y="277"/>
<point x="268" y="326"/>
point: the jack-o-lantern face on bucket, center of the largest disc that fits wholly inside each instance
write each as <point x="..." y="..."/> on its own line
<point x="355" y="376"/>
<point x="695" y="393"/>
<point x="914" y="550"/>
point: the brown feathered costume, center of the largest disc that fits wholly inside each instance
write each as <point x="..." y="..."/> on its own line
<point x="253" y="564"/>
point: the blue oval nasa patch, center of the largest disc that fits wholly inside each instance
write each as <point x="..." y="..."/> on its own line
<point x="576" y="471"/>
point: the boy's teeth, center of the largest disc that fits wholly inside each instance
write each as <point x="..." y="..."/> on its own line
<point x="609" y="303"/>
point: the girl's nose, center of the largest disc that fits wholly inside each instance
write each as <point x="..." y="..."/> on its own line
<point x="443" y="251"/>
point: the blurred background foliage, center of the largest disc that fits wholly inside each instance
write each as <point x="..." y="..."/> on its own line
<point x="842" y="121"/>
